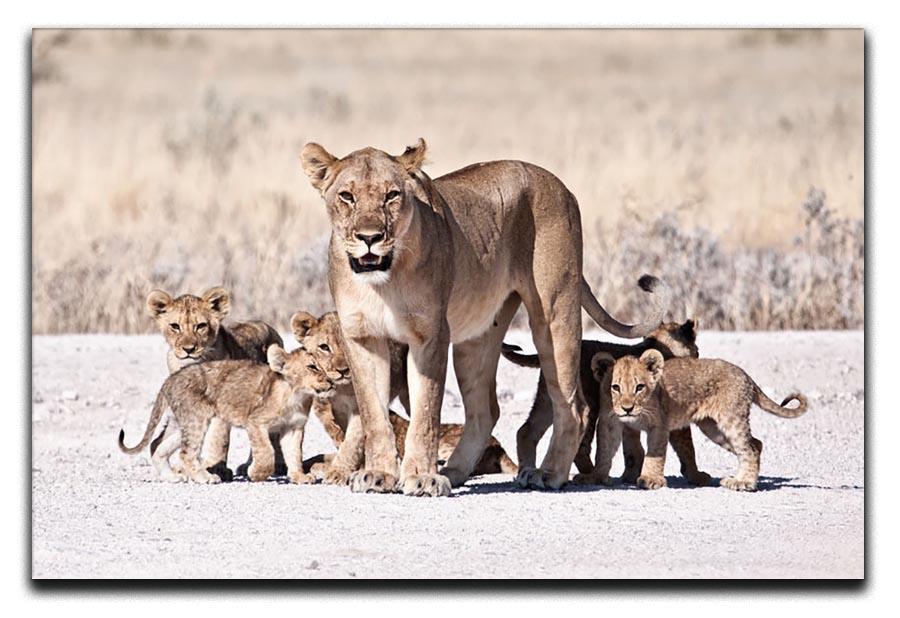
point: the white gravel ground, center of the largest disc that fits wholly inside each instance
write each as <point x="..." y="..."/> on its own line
<point x="99" y="513"/>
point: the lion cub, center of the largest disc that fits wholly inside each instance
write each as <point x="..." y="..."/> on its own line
<point x="672" y="340"/>
<point x="194" y="329"/>
<point x="263" y="399"/>
<point x="657" y="396"/>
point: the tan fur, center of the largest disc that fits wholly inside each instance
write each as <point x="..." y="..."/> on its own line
<point x="322" y="338"/>
<point x="429" y="263"/>
<point x="657" y="396"/>
<point x="670" y="338"/>
<point x="193" y="328"/>
<point x="260" y="398"/>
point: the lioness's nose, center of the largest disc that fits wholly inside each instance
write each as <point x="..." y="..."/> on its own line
<point x="370" y="238"/>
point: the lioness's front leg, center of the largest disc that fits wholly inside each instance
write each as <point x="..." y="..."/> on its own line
<point x="426" y="374"/>
<point x="609" y="437"/>
<point x="370" y="367"/>
<point x="652" y="473"/>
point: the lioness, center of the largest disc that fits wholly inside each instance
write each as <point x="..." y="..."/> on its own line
<point x="194" y="330"/>
<point x="671" y="339"/>
<point x="260" y="398"/>
<point x="340" y="414"/>
<point x="429" y="263"/>
<point x="657" y="396"/>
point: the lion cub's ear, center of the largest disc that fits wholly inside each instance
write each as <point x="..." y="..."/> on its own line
<point x="316" y="162"/>
<point x="653" y="361"/>
<point x="276" y="357"/>
<point x="414" y="156"/>
<point x="601" y="362"/>
<point x="218" y="301"/>
<point x="158" y="302"/>
<point x="689" y="329"/>
<point x="301" y="323"/>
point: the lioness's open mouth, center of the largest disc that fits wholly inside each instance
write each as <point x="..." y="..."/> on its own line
<point x="370" y="262"/>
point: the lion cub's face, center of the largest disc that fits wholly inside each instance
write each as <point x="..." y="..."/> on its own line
<point x="632" y="383"/>
<point x="370" y="197"/>
<point x="300" y="370"/>
<point x="321" y="337"/>
<point x="189" y="323"/>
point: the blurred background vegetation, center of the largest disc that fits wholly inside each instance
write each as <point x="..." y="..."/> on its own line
<point x="728" y="162"/>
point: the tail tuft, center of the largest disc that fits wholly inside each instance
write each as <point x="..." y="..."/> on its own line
<point x="649" y="283"/>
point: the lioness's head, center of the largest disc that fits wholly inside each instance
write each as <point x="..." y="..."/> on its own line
<point x="300" y="370"/>
<point x="632" y="383"/>
<point x="680" y="339"/>
<point x="321" y="337"/>
<point x="371" y="197"/>
<point x="189" y="323"/>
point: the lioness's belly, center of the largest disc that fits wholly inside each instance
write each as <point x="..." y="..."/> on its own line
<point x="472" y="310"/>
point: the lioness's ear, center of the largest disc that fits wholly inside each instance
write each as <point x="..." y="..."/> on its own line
<point x="276" y="357"/>
<point x="158" y="302"/>
<point x="601" y="362"/>
<point x="218" y="301"/>
<point x="414" y="156"/>
<point x="316" y="162"/>
<point x="653" y="361"/>
<point x="301" y="323"/>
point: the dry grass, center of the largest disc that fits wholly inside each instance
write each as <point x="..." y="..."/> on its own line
<point x="169" y="158"/>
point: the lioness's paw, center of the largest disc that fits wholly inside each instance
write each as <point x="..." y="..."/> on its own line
<point x="456" y="476"/>
<point x="372" y="481"/>
<point x="592" y="479"/>
<point x="699" y="478"/>
<point x="426" y="485"/>
<point x="258" y="473"/>
<point x="630" y="478"/>
<point x="738" y="484"/>
<point x="651" y="482"/>
<point x="336" y="476"/>
<point x="537" y="478"/>
<point x="301" y="478"/>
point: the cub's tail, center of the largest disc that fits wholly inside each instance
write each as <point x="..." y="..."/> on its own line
<point x="763" y="401"/>
<point x="158" y="408"/>
<point x="507" y="465"/>
<point x="660" y="293"/>
<point x="513" y="354"/>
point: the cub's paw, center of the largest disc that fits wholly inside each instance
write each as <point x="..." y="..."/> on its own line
<point x="699" y="478"/>
<point x="335" y="475"/>
<point x="592" y="479"/>
<point x="171" y="476"/>
<point x="280" y="469"/>
<point x="301" y="478"/>
<point x="205" y="478"/>
<point x="372" y="481"/>
<point x="456" y="476"/>
<point x="258" y="473"/>
<point x="243" y="469"/>
<point x="651" y="482"/>
<point x="426" y="485"/>
<point x="738" y="484"/>
<point x="630" y="478"/>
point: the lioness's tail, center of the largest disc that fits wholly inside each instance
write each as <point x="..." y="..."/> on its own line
<point x="763" y="401"/>
<point x="158" y="408"/>
<point x="661" y="298"/>
<point x="513" y="354"/>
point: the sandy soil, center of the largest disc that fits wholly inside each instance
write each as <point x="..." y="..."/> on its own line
<point x="99" y="513"/>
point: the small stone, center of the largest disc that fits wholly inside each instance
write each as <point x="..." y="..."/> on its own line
<point x="70" y="395"/>
<point x="37" y="397"/>
<point x="312" y="566"/>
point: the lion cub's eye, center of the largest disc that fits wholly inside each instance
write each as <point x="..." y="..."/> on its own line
<point x="312" y="367"/>
<point x="638" y="388"/>
<point x="347" y="197"/>
<point x="201" y="326"/>
<point x="174" y="326"/>
<point x="391" y="196"/>
<point x="615" y="387"/>
<point x="324" y="347"/>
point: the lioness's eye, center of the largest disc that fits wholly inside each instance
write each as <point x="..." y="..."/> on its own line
<point x="391" y="196"/>
<point x="346" y="196"/>
<point x="201" y="326"/>
<point x="324" y="347"/>
<point x="638" y="388"/>
<point x="615" y="387"/>
<point x="174" y="327"/>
